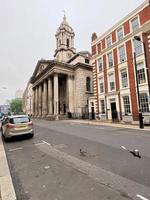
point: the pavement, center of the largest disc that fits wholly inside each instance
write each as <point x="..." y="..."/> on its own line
<point x="7" y="191"/>
<point x="113" y="124"/>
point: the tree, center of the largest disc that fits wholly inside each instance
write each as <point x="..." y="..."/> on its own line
<point x="16" y="105"/>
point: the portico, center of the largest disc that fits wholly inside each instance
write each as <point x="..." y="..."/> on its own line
<point x="53" y="95"/>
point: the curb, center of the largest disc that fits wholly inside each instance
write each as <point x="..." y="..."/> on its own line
<point x="7" y="191"/>
<point x="109" y="124"/>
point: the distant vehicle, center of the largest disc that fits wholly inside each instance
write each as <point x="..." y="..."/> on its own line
<point x="17" y="125"/>
<point x="1" y="116"/>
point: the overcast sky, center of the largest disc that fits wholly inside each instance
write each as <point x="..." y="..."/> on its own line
<point x="28" y="30"/>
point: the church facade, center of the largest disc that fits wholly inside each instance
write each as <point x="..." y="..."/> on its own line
<point x="62" y="85"/>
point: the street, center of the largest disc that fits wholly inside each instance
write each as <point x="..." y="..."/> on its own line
<point x="51" y="167"/>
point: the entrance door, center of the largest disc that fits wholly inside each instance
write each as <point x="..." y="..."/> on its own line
<point x="92" y="113"/>
<point x="64" y="108"/>
<point x="114" y="113"/>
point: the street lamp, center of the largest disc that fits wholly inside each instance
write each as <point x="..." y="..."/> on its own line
<point x="146" y="64"/>
<point x="141" y="124"/>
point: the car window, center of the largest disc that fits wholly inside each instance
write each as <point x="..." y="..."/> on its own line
<point x="18" y="120"/>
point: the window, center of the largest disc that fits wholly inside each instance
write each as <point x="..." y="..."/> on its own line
<point x="137" y="47"/>
<point x="67" y="43"/>
<point x="18" y="120"/>
<point x="141" y="73"/>
<point x="111" y="82"/>
<point x="122" y="55"/>
<point x="124" y="78"/>
<point x="88" y="84"/>
<point x="144" y="102"/>
<point x="126" y="103"/>
<point x="102" y="103"/>
<point x="108" y="41"/>
<point x="100" y="64"/>
<point x="135" y="24"/>
<point x="120" y="34"/>
<point x="87" y="61"/>
<point x="110" y="59"/>
<point x="101" y="85"/>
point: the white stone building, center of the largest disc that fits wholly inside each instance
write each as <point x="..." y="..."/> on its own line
<point x="63" y="85"/>
<point x="27" y="99"/>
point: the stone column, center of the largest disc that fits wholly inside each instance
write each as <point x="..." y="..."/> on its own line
<point x="70" y="93"/>
<point x="44" y="107"/>
<point x="50" y="106"/>
<point x="33" y="101"/>
<point x="36" y="101"/>
<point x="55" y="94"/>
<point x="40" y="100"/>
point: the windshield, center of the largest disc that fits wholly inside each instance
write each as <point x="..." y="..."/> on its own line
<point x="18" y="120"/>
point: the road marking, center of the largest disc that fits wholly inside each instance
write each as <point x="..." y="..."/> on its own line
<point x="123" y="147"/>
<point x="99" y="128"/>
<point x="19" y="148"/>
<point x="46" y="142"/>
<point x="39" y="143"/>
<point x="141" y="197"/>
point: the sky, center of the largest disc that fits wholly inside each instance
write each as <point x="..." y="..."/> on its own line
<point x="28" y="27"/>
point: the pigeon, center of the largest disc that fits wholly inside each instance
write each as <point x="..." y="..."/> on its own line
<point x="134" y="152"/>
<point x="82" y="153"/>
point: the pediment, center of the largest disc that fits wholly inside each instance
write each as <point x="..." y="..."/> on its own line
<point x="41" y="68"/>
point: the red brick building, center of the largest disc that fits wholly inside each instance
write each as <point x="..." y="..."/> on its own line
<point x="116" y="55"/>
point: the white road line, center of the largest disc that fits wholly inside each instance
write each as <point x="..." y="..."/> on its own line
<point x="39" y="143"/>
<point x="46" y="142"/>
<point x="141" y="197"/>
<point x="19" y="148"/>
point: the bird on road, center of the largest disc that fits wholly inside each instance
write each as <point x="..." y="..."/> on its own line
<point x="134" y="152"/>
<point x="82" y="153"/>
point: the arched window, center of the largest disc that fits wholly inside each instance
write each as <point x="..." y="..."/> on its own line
<point x="67" y="43"/>
<point x="88" y="84"/>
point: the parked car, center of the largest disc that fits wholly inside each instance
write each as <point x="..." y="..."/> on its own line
<point x="17" y="125"/>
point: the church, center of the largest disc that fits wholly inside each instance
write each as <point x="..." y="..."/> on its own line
<point x="61" y="87"/>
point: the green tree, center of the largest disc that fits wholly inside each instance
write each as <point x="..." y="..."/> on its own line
<point x="16" y="105"/>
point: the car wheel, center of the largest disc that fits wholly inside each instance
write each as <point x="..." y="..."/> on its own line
<point x="31" y="135"/>
<point x="6" y="139"/>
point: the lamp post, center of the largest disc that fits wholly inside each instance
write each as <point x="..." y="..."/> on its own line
<point x="146" y="64"/>
<point x="141" y="124"/>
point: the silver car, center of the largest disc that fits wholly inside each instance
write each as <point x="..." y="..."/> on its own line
<point x="17" y="125"/>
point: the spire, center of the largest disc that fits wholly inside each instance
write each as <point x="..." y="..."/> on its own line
<point x="64" y="18"/>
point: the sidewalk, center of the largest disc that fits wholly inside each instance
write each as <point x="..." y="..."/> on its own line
<point x="7" y="191"/>
<point x="112" y="124"/>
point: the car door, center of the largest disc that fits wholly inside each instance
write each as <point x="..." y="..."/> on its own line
<point x="4" y="124"/>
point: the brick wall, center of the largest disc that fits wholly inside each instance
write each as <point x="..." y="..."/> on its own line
<point x="93" y="50"/>
<point x="126" y="26"/>
<point x="144" y="15"/>
<point x="132" y="83"/>
<point x="105" y="74"/>
<point x="117" y="78"/>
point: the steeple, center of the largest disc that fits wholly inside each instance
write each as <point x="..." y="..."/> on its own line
<point x="64" y="41"/>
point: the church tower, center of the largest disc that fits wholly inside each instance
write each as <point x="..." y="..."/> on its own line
<point x="64" y="42"/>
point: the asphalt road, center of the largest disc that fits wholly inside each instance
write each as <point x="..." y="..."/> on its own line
<point x="50" y="166"/>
